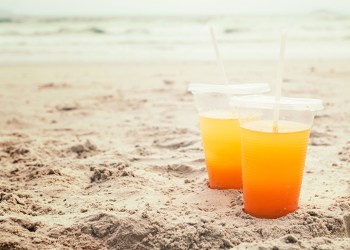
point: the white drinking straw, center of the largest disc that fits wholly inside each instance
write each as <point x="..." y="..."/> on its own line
<point x="218" y="57"/>
<point x="279" y="80"/>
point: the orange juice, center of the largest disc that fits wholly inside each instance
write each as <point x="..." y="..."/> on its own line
<point x="222" y="149"/>
<point x="273" y="164"/>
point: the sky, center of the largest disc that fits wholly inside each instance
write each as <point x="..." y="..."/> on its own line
<point x="168" y="7"/>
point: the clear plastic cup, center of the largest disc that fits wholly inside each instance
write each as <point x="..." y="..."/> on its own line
<point x="220" y="130"/>
<point x="273" y="160"/>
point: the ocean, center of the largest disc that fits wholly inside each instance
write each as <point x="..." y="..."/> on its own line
<point x="27" y="39"/>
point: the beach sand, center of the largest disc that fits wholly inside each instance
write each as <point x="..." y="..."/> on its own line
<point x="109" y="156"/>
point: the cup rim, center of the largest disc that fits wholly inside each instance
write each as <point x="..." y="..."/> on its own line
<point x="270" y="102"/>
<point x="232" y="89"/>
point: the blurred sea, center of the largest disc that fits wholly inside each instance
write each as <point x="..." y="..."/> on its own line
<point x="39" y="39"/>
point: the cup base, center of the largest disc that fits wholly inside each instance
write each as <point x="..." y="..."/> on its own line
<point x="267" y="215"/>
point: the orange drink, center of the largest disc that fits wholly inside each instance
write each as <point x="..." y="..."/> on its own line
<point x="220" y="130"/>
<point x="273" y="167"/>
<point x="222" y="149"/>
<point x="273" y="151"/>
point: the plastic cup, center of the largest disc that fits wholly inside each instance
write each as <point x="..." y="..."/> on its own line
<point x="273" y="161"/>
<point x="220" y="130"/>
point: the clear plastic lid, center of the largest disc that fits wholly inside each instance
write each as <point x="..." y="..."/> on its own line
<point x="269" y="102"/>
<point x="234" y="89"/>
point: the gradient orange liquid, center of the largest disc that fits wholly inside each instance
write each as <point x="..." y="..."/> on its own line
<point x="222" y="149"/>
<point x="273" y="165"/>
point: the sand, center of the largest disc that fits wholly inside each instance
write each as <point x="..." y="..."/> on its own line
<point x="109" y="156"/>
